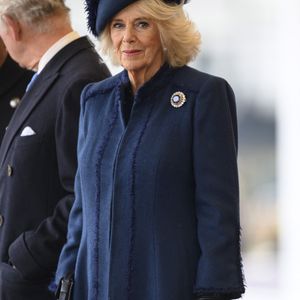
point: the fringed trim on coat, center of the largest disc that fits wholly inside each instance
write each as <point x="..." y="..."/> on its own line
<point x="230" y="293"/>
<point x="98" y="196"/>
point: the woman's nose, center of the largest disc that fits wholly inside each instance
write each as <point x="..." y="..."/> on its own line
<point x="129" y="36"/>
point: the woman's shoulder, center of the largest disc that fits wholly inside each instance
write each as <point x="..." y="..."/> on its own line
<point x="196" y="80"/>
<point x="101" y="87"/>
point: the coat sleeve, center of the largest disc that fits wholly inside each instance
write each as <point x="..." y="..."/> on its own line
<point x="68" y="255"/>
<point x="219" y="270"/>
<point x="35" y="253"/>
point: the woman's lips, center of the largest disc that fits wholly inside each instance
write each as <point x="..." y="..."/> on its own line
<point x="131" y="52"/>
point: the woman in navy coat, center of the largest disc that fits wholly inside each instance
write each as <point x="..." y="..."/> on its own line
<point x="156" y="215"/>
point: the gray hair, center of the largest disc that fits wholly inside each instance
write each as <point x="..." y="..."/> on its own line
<point x="33" y="12"/>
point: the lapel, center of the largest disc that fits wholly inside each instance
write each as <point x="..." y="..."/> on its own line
<point x="28" y="103"/>
<point x="42" y="84"/>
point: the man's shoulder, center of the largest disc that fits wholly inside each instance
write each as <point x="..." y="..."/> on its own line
<point x="78" y="57"/>
<point x="81" y="49"/>
<point x="79" y="61"/>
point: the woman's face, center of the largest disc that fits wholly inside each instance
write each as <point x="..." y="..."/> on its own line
<point x="136" y="41"/>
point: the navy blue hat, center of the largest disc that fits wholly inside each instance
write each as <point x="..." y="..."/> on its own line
<point x="101" y="11"/>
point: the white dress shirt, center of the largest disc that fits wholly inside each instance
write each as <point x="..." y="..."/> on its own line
<point x="55" y="48"/>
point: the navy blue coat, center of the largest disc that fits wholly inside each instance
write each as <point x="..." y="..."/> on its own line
<point x="156" y="214"/>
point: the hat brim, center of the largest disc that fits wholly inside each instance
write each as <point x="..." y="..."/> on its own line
<point x="100" y="12"/>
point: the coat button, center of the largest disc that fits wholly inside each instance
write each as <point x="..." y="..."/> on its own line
<point x="1" y="220"/>
<point x="9" y="170"/>
<point x="14" y="102"/>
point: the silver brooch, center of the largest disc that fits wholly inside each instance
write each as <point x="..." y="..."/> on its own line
<point x="178" y="99"/>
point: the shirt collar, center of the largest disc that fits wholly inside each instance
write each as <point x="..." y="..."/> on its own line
<point x="55" y="48"/>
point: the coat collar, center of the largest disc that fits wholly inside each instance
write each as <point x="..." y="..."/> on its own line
<point x="43" y="82"/>
<point x="158" y="80"/>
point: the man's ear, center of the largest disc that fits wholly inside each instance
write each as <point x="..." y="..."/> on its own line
<point x="13" y="27"/>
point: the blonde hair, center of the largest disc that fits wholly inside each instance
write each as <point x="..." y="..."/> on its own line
<point x="179" y="36"/>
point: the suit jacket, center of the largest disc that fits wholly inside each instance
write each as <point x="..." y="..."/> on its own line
<point x="37" y="170"/>
<point x="13" y="82"/>
<point x="156" y="214"/>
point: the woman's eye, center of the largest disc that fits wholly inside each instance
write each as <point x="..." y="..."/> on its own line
<point x="117" y="25"/>
<point x="142" y="24"/>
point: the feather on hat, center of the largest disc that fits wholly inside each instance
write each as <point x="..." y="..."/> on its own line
<point x="101" y="11"/>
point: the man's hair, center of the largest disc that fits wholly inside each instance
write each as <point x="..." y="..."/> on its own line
<point x="33" y="12"/>
<point x="179" y="35"/>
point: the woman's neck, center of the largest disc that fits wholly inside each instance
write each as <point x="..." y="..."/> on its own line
<point x="139" y="77"/>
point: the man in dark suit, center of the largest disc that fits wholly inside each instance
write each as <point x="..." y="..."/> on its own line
<point x="13" y="82"/>
<point x="38" y="152"/>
